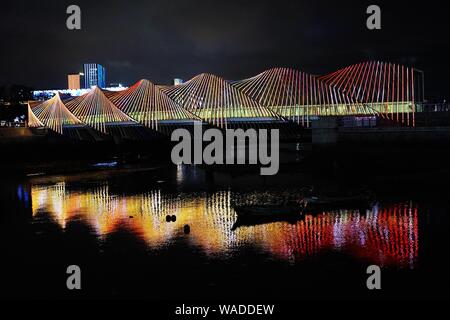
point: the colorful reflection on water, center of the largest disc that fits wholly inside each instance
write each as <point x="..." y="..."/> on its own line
<point x="383" y="235"/>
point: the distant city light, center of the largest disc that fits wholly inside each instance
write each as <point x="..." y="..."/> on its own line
<point x="46" y="94"/>
<point x="177" y="81"/>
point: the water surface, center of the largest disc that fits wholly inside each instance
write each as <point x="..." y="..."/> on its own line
<point x="114" y="225"/>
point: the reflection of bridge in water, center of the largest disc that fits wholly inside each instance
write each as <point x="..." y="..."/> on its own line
<point x="382" y="235"/>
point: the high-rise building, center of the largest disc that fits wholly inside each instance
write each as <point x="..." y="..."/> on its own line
<point x="94" y="75"/>
<point x="73" y="81"/>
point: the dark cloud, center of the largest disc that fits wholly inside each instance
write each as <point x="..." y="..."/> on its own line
<point x="160" y="39"/>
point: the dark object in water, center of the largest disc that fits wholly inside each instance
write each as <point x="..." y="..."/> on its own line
<point x="186" y="229"/>
<point x="168" y="218"/>
<point x="316" y="204"/>
<point x="255" y="215"/>
<point x="174" y="218"/>
<point x="106" y="164"/>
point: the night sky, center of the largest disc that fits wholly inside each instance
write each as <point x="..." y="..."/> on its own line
<point x="164" y="39"/>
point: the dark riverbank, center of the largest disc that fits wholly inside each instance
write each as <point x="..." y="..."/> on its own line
<point x="327" y="148"/>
